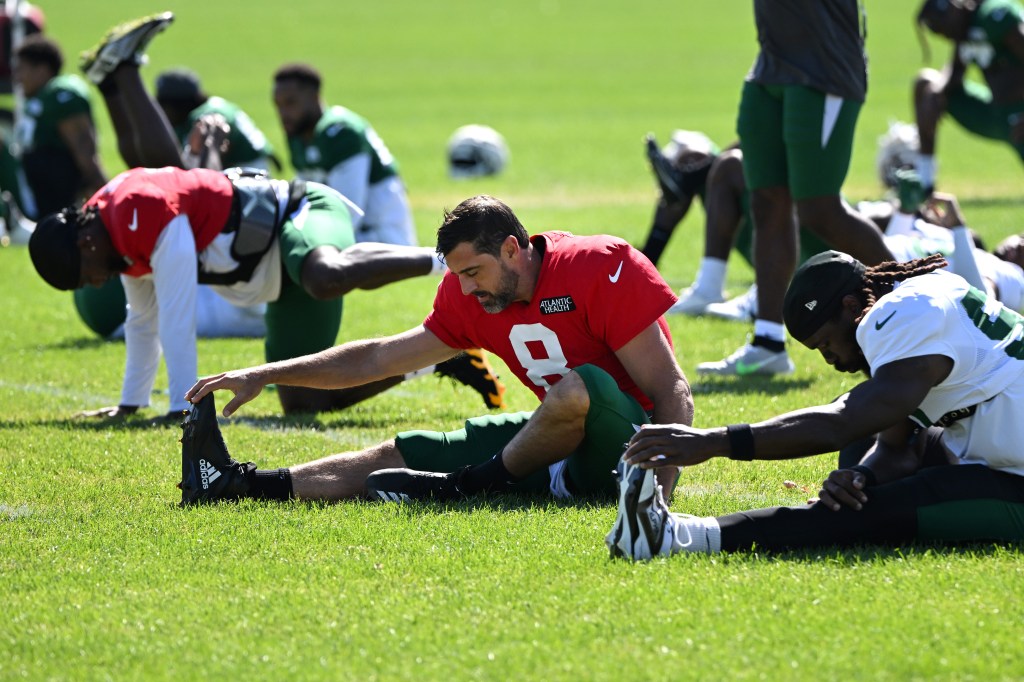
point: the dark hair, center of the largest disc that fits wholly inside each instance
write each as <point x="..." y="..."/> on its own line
<point x="483" y="221"/>
<point x="879" y="280"/>
<point x="179" y="87"/>
<point x="39" y="49"/>
<point x="299" y="72"/>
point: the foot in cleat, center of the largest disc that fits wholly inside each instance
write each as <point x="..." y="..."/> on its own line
<point x="125" y="43"/>
<point x="405" y="485"/>
<point x="473" y="369"/>
<point x="208" y="473"/>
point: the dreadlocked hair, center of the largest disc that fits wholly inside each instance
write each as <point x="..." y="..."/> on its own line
<point x="79" y="216"/>
<point x="879" y="280"/>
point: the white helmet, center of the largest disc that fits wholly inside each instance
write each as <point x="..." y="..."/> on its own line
<point x="475" y="151"/>
<point x="684" y="141"/>
<point x="897" y="149"/>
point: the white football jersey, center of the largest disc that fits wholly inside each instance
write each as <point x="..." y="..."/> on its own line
<point x="940" y="314"/>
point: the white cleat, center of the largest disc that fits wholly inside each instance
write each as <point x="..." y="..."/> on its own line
<point x="693" y="302"/>
<point x="643" y="526"/>
<point x="742" y="308"/>
<point x="750" y="360"/>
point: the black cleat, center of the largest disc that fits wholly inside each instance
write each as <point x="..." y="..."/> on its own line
<point x="670" y="178"/>
<point x="406" y="485"/>
<point x="208" y="473"/>
<point x="472" y="369"/>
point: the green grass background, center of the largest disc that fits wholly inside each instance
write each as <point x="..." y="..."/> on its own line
<point x="103" y="577"/>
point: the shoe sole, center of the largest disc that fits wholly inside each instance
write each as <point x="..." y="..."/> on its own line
<point x="626" y="530"/>
<point x="651" y="525"/>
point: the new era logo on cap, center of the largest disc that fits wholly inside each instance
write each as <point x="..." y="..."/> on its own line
<point x="811" y="305"/>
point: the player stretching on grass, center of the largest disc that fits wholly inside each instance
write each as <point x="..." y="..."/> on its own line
<point x="164" y="230"/>
<point x="579" y="320"/>
<point x="945" y="396"/>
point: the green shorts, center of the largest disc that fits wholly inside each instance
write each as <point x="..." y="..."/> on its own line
<point x="298" y="324"/>
<point x="611" y="422"/>
<point x="797" y="137"/>
<point x="971" y="107"/>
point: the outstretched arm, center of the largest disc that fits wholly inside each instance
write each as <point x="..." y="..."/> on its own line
<point x="351" y="364"/>
<point x="880" y="403"/>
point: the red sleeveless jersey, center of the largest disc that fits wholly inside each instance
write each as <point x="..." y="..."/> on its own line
<point x="138" y="204"/>
<point x="593" y="296"/>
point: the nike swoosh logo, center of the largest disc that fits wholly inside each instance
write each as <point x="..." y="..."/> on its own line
<point x="879" y="325"/>
<point x="615" y="278"/>
<point x="134" y="224"/>
<point x="744" y="368"/>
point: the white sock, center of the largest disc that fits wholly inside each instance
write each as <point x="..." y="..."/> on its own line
<point x="695" y="534"/>
<point x="962" y="260"/>
<point x="925" y="167"/>
<point x="711" y="277"/>
<point x="437" y="267"/>
<point x="900" y="223"/>
<point x="770" y="330"/>
<point x="420" y="372"/>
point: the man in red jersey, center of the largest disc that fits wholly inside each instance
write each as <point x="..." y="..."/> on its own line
<point x="579" y="320"/>
<point x="255" y="240"/>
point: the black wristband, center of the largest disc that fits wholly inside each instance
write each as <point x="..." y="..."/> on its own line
<point x="869" y="475"/>
<point x="741" y="442"/>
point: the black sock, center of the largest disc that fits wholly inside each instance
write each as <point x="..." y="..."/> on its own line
<point x="491" y="476"/>
<point x="771" y="344"/>
<point x="108" y="87"/>
<point x="275" y="484"/>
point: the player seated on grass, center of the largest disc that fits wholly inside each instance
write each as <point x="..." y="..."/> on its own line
<point x="990" y="35"/>
<point x="691" y="166"/>
<point x="579" y="320"/>
<point x="339" y="148"/>
<point x="55" y="134"/>
<point x="182" y="98"/>
<point x="944" y="397"/>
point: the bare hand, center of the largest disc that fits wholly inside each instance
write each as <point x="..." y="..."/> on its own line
<point x="240" y="382"/>
<point x="210" y="131"/>
<point x="843" y="488"/>
<point x="112" y="412"/>
<point x="943" y="210"/>
<point x="658" y="445"/>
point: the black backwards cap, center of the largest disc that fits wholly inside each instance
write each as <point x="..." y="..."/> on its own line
<point x="53" y="247"/>
<point x="816" y="293"/>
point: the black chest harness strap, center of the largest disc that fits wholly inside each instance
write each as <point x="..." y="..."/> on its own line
<point x="256" y="221"/>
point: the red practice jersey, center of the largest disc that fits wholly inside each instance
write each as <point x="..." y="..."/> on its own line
<point x="593" y="296"/>
<point x="138" y="204"/>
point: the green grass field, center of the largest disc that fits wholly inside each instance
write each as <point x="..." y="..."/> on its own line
<point x="103" y="577"/>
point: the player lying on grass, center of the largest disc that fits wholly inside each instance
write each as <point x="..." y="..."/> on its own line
<point x="944" y="396"/>
<point x="579" y="320"/>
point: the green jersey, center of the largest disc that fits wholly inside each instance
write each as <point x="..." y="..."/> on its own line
<point x="61" y="98"/>
<point x="50" y="168"/>
<point x="986" y="38"/>
<point x="246" y="143"/>
<point x="340" y="135"/>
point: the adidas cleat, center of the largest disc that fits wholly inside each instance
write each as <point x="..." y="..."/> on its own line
<point x="124" y="43"/>
<point x="208" y="473"/>
<point x="472" y="368"/>
<point x="407" y="485"/>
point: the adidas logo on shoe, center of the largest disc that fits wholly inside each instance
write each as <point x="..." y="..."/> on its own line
<point x="207" y="473"/>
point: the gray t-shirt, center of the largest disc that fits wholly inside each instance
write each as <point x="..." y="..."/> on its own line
<point x="815" y="43"/>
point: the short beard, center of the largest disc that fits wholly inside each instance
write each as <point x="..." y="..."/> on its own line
<point x="504" y="295"/>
